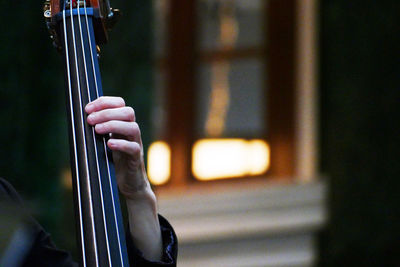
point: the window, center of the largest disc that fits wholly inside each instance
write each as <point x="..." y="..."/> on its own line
<point x="226" y="83"/>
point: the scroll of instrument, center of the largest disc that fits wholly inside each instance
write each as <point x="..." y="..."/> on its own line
<point x="77" y="29"/>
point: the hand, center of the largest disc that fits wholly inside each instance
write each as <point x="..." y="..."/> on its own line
<point x="109" y="115"/>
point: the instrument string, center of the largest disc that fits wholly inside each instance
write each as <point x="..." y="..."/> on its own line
<point x="104" y="142"/>
<point x="93" y="130"/>
<point x="91" y="212"/>
<point x="73" y="134"/>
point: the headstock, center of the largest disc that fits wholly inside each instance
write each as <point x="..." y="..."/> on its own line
<point x="105" y="17"/>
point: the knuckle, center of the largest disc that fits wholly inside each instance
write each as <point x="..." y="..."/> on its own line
<point x="106" y="115"/>
<point x="130" y="113"/>
<point x="135" y="149"/>
<point x="124" y="145"/>
<point x="101" y="99"/>
<point x="135" y="128"/>
<point x="120" y="101"/>
<point x="99" y="102"/>
<point x="111" y="126"/>
<point x="108" y="127"/>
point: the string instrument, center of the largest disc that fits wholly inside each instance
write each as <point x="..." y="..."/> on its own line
<point x="77" y="28"/>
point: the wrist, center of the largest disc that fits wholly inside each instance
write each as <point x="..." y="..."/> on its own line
<point x="143" y="200"/>
<point x="144" y="226"/>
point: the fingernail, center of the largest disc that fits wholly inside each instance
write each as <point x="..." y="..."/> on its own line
<point x="99" y="128"/>
<point x="111" y="143"/>
<point x="90" y="119"/>
<point x="88" y="108"/>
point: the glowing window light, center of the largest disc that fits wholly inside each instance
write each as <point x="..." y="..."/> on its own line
<point x="159" y="162"/>
<point x="258" y="157"/>
<point x="229" y="158"/>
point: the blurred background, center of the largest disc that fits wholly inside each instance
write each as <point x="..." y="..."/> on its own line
<point x="269" y="126"/>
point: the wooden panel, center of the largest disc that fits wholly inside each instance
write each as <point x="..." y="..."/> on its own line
<point x="181" y="87"/>
<point x="281" y="85"/>
<point x="239" y="53"/>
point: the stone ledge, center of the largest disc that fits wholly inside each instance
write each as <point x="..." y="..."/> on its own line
<point x="270" y="225"/>
<point x="239" y="212"/>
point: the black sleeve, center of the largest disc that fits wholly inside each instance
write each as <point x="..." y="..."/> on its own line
<point x="170" y="248"/>
<point x="44" y="253"/>
<point x="41" y="251"/>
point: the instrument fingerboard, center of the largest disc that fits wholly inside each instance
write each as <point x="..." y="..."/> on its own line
<point x="101" y="234"/>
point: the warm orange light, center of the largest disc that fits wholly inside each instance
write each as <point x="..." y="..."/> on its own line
<point x="159" y="163"/>
<point x="258" y="157"/>
<point x="229" y="158"/>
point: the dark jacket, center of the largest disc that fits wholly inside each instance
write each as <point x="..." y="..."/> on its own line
<point x="42" y="251"/>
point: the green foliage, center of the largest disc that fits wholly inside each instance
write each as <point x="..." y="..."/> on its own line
<point x="360" y="94"/>
<point x="33" y="141"/>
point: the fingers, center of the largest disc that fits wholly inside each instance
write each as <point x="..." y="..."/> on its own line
<point x="120" y="114"/>
<point x="109" y="115"/>
<point x="128" y="129"/>
<point x="131" y="148"/>
<point x="104" y="102"/>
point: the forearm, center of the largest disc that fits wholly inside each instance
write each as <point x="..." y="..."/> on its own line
<point x="144" y="226"/>
<point x="109" y="115"/>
